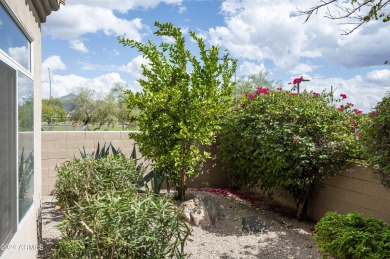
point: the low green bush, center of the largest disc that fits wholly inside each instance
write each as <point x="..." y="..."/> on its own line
<point x="81" y="177"/>
<point x="123" y="224"/>
<point x="376" y="139"/>
<point x="352" y="236"/>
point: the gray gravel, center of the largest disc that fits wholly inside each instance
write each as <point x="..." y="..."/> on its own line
<point x="284" y="238"/>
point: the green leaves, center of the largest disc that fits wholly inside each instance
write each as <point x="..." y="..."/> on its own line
<point x="376" y="139"/>
<point x="279" y="140"/>
<point x="182" y="101"/>
<point x="352" y="236"/>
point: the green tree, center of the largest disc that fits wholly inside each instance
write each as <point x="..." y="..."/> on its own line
<point x="118" y="91"/>
<point x="26" y="115"/>
<point x="90" y="107"/>
<point x="181" y="102"/>
<point x="105" y="112"/>
<point x="248" y="84"/>
<point x="357" y="13"/>
<point x="53" y="111"/>
<point x="83" y="105"/>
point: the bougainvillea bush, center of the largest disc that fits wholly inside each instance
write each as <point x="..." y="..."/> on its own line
<point x="376" y="139"/>
<point x="285" y="140"/>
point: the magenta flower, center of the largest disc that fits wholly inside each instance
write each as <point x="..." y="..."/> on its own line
<point x="251" y="96"/>
<point x="261" y="90"/>
<point x="341" y="108"/>
<point x="316" y="94"/>
<point x="297" y="80"/>
<point x="354" y="123"/>
<point x="293" y="94"/>
<point x="372" y="113"/>
<point x="357" y="134"/>
<point x="279" y="89"/>
<point x="344" y="96"/>
<point x="357" y="112"/>
<point x="350" y="104"/>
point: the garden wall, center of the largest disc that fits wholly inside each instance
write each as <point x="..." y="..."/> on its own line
<point x="61" y="146"/>
<point x="357" y="189"/>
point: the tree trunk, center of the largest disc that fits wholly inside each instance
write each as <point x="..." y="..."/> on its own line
<point x="302" y="205"/>
<point x="182" y="190"/>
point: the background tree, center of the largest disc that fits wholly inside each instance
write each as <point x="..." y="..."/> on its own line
<point x="181" y="103"/>
<point x="248" y="84"/>
<point x="105" y="112"/>
<point x="26" y="115"/>
<point x="83" y="105"/>
<point x="357" y="13"/>
<point x="53" y="111"/>
<point x="118" y="91"/>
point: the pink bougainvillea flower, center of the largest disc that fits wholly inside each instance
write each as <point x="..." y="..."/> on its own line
<point x="261" y="90"/>
<point x="357" y="134"/>
<point x="372" y="113"/>
<point x="316" y="94"/>
<point x="215" y="133"/>
<point x="344" y="96"/>
<point x="279" y="89"/>
<point x="341" y="108"/>
<point x="350" y="104"/>
<point x="357" y="112"/>
<point x="251" y="96"/>
<point x="354" y="123"/>
<point x="297" y="80"/>
<point x="293" y="94"/>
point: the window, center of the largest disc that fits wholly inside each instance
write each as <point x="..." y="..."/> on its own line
<point x="16" y="126"/>
<point x="13" y="41"/>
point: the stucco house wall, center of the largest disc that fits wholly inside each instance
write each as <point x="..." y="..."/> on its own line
<point x="24" y="243"/>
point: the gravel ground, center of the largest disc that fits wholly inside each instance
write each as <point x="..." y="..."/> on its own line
<point x="283" y="238"/>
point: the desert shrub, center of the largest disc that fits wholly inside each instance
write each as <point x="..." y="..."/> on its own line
<point x="81" y="177"/>
<point x="123" y="224"/>
<point x="376" y="139"/>
<point x="352" y="236"/>
<point x="282" y="140"/>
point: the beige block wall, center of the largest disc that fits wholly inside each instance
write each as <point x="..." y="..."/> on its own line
<point x="356" y="190"/>
<point x="61" y="146"/>
<point x="58" y="147"/>
<point x="27" y="231"/>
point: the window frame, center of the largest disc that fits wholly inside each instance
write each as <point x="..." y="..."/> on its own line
<point x="14" y="65"/>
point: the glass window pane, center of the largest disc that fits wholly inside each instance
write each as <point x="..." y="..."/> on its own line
<point x="25" y="143"/>
<point x="8" y="185"/>
<point x="13" y="41"/>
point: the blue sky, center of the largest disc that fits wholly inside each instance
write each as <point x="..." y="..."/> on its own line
<point x="80" y="45"/>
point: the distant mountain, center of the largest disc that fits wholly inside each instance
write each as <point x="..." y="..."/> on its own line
<point x="67" y="99"/>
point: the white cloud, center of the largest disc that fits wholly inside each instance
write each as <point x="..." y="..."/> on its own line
<point x="248" y="68"/>
<point x="363" y="91"/>
<point x="265" y="29"/>
<point x="134" y="67"/>
<point x="78" y="45"/>
<point x="90" y="19"/>
<point x="301" y="69"/>
<point x="20" y="54"/>
<point x="182" y="9"/>
<point x="125" y="5"/>
<point x="63" y="85"/>
<point x="54" y="63"/>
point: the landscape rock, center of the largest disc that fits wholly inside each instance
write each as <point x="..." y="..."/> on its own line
<point x="199" y="211"/>
<point x="253" y="224"/>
